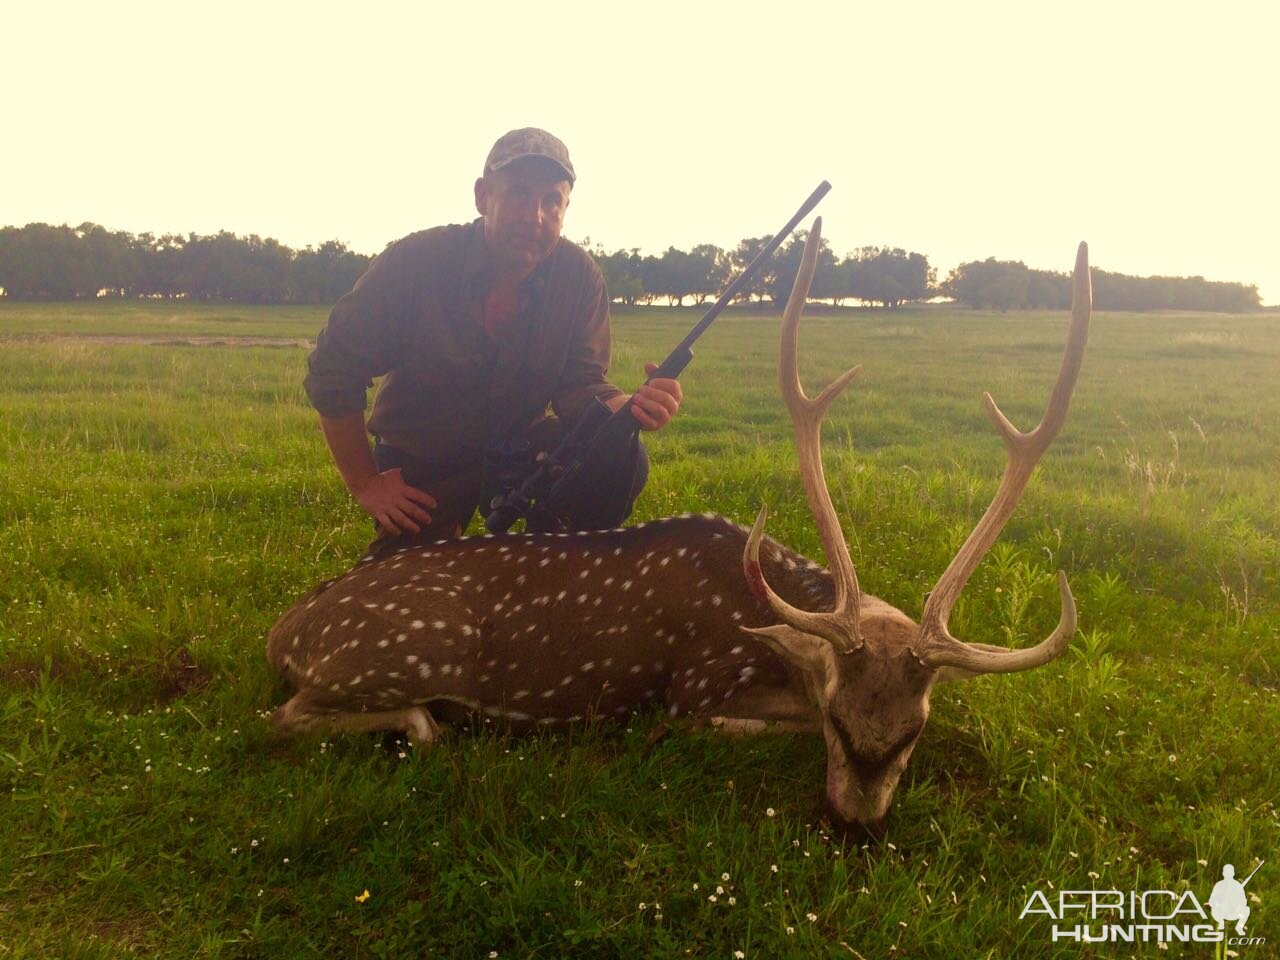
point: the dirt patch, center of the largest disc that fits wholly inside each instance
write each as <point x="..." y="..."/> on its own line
<point x="181" y="675"/>
<point x="148" y="340"/>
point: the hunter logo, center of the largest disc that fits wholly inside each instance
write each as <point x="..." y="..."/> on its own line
<point x="1228" y="901"/>
<point x="1150" y="916"/>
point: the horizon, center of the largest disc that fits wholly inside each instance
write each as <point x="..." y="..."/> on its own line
<point x="994" y="131"/>
<point x="937" y="299"/>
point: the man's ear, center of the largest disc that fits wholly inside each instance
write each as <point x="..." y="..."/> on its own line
<point x="482" y="194"/>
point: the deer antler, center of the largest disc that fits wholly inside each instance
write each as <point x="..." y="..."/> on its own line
<point x="840" y="626"/>
<point x="935" y="646"/>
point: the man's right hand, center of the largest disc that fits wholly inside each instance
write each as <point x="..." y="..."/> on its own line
<point x="398" y="507"/>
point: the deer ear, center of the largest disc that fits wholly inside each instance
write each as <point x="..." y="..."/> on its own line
<point x="804" y="651"/>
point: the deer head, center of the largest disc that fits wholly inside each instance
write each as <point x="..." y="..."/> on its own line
<point x="868" y="668"/>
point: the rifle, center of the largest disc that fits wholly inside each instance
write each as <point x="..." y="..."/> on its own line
<point x="552" y="480"/>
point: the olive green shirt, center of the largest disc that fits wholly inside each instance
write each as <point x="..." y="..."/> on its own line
<point x="414" y="318"/>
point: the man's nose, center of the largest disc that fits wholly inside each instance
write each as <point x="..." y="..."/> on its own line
<point x="531" y="212"/>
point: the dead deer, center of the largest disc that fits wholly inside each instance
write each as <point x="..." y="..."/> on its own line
<point x="537" y="630"/>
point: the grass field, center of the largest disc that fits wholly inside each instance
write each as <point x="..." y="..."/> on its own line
<point x="160" y="505"/>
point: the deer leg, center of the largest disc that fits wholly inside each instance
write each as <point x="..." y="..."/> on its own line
<point x="750" y="726"/>
<point x="299" y="715"/>
<point x="758" y="709"/>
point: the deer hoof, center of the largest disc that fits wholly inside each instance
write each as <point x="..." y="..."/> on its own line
<point x="421" y="727"/>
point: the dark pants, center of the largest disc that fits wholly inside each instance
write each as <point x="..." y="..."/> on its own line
<point x="611" y="482"/>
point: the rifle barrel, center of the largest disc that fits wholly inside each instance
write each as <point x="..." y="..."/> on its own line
<point x="1250" y="876"/>
<point x="752" y="268"/>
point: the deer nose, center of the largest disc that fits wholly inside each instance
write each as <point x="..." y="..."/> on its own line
<point x="857" y="832"/>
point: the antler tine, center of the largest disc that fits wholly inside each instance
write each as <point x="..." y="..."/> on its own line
<point x="936" y="646"/>
<point x="819" y="624"/>
<point x="840" y="626"/>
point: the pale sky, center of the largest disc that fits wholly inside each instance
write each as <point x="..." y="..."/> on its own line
<point x="961" y="130"/>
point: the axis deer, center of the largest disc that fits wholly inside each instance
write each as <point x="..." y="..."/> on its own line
<point x="544" y="629"/>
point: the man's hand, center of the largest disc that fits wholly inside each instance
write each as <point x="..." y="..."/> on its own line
<point x="398" y="507"/>
<point x="654" y="404"/>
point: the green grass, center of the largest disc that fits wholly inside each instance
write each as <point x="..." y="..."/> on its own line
<point x="161" y="505"/>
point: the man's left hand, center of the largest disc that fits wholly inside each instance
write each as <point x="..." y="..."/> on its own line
<point x="654" y="404"/>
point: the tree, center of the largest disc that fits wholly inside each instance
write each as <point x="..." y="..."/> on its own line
<point x="990" y="283"/>
<point x="743" y="254"/>
<point x="325" y="274"/>
<point x="711" y="266"/>
<point x="786" y="264"/>
<point x="889" y="276"/>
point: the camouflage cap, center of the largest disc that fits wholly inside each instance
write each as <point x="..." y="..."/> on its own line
<point x="528" y="142"/>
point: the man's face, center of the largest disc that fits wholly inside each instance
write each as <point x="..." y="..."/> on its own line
<point x="523" y="206"/>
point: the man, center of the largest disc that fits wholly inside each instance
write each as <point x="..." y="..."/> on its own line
<point x="1228" y="902"/>
<point x="477" y="328"/>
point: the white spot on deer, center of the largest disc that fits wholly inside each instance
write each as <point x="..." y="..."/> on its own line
<point x="393" y="674"/>
<point x="411" y="659"/>
<point x="384" y="642"/>
<point x="417" y="625"/>
<point x="519" y="694"/>
<point x="617" y="551"/>
<point x="634" y="668"/>
<point x="564" y="555"/>
<point x="626" y="584"/>
<point x="467" y="631"/>
<point x="297" y="638"/>
<point x="334" y="688"/>
<point x="345" y="622"/>
<point x="705" y="701"/>
<point x="588" y="666"/>
<point x="355" y="680"/>
<point x="582" y="598"/>
<point x="608" y="581"/>
<point x="389" y="606"/>
<point x="547" y="694"/>
<point x="561" y="595"/>
<point x="566" y="681"/>
<point x="736" y="650"/>
<point x="401" y="637"/>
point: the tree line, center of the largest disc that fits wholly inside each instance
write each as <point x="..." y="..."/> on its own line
<point x="886" y="276"/>
<point x="1012" y="285"/>
<point x="44" y="262"/>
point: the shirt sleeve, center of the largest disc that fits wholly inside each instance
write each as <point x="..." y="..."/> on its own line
<point x="363" y="339"/>
<point x="588" y="358"/>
